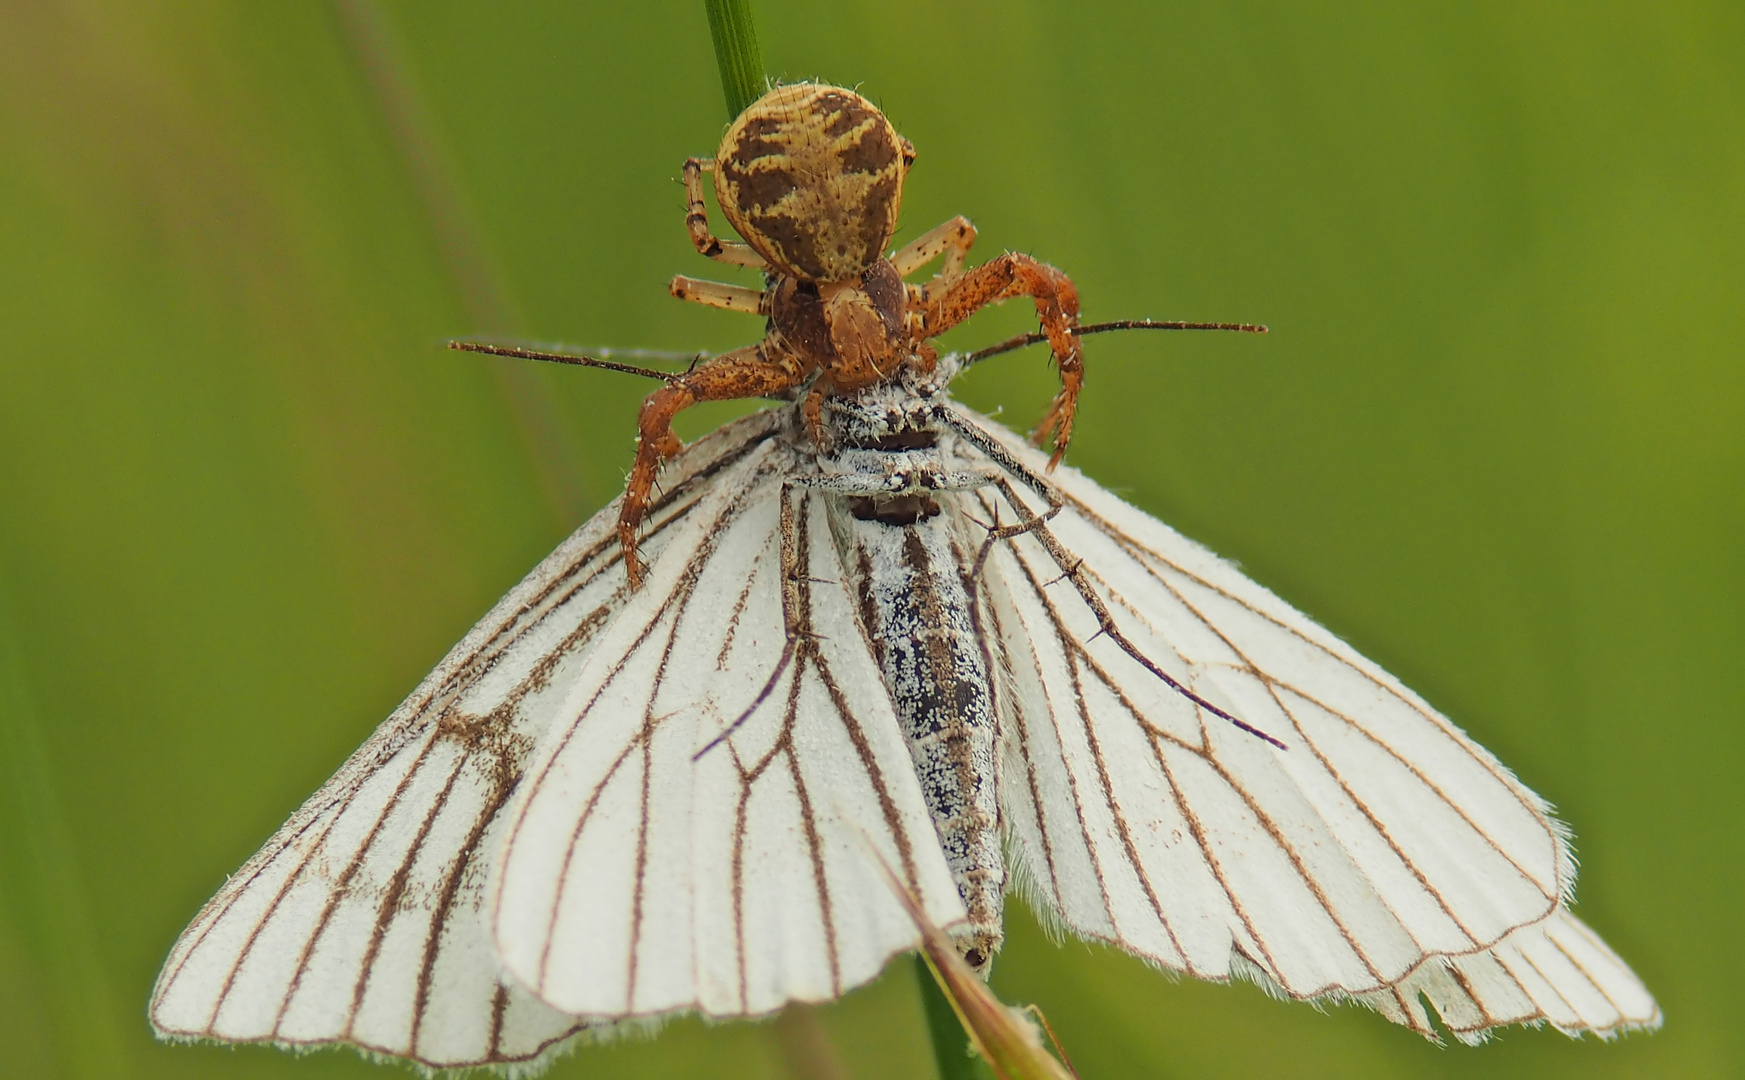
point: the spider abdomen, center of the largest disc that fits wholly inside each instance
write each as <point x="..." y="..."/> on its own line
<point x="812" y="177"/>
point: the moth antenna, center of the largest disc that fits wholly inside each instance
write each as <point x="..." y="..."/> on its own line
<point x="1023" y="340"/>
<point x="521" y="353"/>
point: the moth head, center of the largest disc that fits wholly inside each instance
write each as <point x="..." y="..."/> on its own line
<point x="812" y="177"/>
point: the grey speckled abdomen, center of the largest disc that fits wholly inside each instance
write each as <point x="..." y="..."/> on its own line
<point x="917" y="611"/>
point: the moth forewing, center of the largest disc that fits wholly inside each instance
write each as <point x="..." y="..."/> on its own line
<point x="1380" y="849"/>
<point x="682" y="840"/>
<point x="1276" y="656"/>
<point x="360" y="921"/>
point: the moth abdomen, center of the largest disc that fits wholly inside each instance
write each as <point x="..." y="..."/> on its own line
<point x="917" y="607"/>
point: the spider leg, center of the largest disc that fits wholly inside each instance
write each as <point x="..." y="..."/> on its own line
<point x="1057" y="305"/>
<point x="719" y="294"/>
<point x="697" y="221"/>
<point x="760" y="370"/>
<point x="952" y="239"/>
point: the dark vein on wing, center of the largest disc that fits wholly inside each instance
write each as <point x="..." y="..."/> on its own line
<point x="1549" y="985"/>
<point x="709" y="536"/>
<point x="1369" y="815"/>
<point x="503" y="780"/>
<point x="1207" y="754"/>
<point x="1271" y="682"/>
<point x="733" y="623"/>
<point x="413" y="719"/>
<point x="336" y="894"/>
<point x="700" y="556"/>
<point x="1078" y="655"/>
<point x="1264" y="819"/>
<point x="1285" y="845"/>
<point x="980" y="601"/>
<point x="1073" y="571"/>
<point x="1273" y="685"/>
<point x="638" y="873"/>
<point x="1142" y="555"/>
<point x="737" y="881"/>
<point x="815" y="851"/>
<point x="499" y="1006"/>
<point x="869" y="763"/>
<point x="1552" y="897"/>
<point x="569" y="853"/>
<point x="1466" y="987"/>
<point x="1071" y="652"/>
<point x="1598" y="986"/>
<point x="266" y="915"/>
<point x="1410" y="1009"/>
<point x="795" y="562"/>
<point x="459" y="670"/>
<point x="390" y="902"/>
<point x="1054" y="716"/>
<point x="1007" y="459"/>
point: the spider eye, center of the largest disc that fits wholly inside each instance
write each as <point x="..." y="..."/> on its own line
<point x="908" y="149"/>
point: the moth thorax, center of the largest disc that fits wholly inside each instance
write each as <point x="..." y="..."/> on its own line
<point x="811" y="176"/>
<point x="890" y="417"/>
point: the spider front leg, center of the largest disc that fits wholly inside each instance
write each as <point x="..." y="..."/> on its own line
<point x="759" y="370"/>
<point x="697" y="221"/>
<point x="1057" y="305"/>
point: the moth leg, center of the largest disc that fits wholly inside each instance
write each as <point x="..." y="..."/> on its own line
<point x="796" y="599"/>
<point x="1073" y="570"/>
<point x="952" y="239"/>
<point x="979" y="438"/>
<point x="1057" y="305"/>
<point x="697" y="221"/>
<point x="812" y="412"/>
<point x="1027" y="522"/>
<point x="755" y="371"/>
<point x="720" y="295"/>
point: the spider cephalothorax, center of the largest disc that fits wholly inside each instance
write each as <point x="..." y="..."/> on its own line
<point x="811" y="176"/>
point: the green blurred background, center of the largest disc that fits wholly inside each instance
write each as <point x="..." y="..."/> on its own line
<point x="1496" y="438"/>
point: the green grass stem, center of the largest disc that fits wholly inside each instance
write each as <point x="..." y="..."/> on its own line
<point x="742" y="78"/>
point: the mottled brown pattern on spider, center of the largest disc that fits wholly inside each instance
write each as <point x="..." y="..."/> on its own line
<point x="812" y="177"/>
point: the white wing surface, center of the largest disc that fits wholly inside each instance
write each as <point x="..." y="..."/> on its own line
<point x="692" y="834"/>
<point x="1357" y="836"/>
<point x="361" y="921"/>
<point x="1556" y="971"/>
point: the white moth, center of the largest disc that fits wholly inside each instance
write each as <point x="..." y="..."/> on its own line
<point x="869" y="617"/>
<point x="610" y="804"/>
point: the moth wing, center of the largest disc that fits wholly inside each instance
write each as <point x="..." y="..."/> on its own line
<point x="692" y="836"/>
<point x="1378" y="837"/>
<point x="1556" y="971"/>
<point x="361" y="920"/>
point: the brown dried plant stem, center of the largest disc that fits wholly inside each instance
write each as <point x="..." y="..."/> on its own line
<point x="952" y="1052"/>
